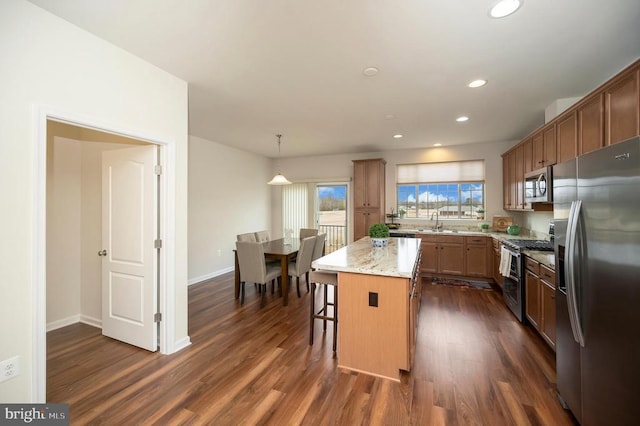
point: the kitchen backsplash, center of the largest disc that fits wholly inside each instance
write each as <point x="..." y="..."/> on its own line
<point x="533" y="224"/>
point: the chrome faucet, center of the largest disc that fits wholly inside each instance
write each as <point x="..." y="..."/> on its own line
<point x="438" y="224"/>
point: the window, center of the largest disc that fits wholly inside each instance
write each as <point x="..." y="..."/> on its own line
<point x="453" y="190"/>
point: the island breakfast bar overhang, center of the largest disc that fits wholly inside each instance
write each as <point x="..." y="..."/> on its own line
<point x="379" y="292"/>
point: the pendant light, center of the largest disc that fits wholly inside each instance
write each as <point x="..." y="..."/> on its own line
<point x="279" y="178"/>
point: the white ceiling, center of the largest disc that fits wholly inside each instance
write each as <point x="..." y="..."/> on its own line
<point x="256" y="68"/>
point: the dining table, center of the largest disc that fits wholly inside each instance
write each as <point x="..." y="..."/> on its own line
<point x="283" y="249"/>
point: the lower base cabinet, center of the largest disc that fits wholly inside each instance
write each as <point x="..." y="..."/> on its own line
<point x="456" y="255"/>
<point x="540" y="299"/>
<point x="497" y="276"/>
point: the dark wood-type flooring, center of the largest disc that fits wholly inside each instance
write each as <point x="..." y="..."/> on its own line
<point x="474" y="365"/>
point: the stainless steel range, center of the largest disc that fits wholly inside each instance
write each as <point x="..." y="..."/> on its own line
<point x="513" y="289"/>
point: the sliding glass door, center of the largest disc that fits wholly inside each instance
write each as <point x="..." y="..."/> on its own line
<point x="331" y="214"/>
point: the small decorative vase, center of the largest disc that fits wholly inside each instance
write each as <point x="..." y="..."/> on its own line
<point x="379" y="242"/>
<point x="513" y="230"/>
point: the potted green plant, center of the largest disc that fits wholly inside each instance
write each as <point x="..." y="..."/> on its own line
<point x="402" y="212"/>
<point x="379" y="233"/>
<point x="484" y="227"/>
<point x="480" y="213"/>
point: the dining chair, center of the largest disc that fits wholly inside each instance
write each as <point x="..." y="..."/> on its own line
<point x="324" y="279"/>
<point x="318" y="248"/>
<point x="249" y="236"/>
<point x="302" y="265"/>
<point x="262" y="236"/>
<point x="253" y="267"/>
<point x="308" y="232"/>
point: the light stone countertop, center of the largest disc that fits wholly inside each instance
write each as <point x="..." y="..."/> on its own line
<point x="546" y="258"/>
<point x="397" y="259"/>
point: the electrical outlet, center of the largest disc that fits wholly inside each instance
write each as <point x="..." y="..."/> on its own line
<point x="9" y="368"/>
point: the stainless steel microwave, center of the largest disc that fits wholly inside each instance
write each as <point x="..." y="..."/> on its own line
<point x="538" y="186"/>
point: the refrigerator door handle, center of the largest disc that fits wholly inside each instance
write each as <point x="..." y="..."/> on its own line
<point x="570" y="271"/>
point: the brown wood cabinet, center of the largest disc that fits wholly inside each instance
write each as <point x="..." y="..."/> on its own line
<point x="527" y="147"/>
<point x="622" y="108"/>
<point x="506" y="180"/>
<point x="544" y="147"/>
<point x="548" y="288"/>
<point x="540" y="299"/>
<point x="497" y="276"/>
<point x="451" y="256"/>
<point x="609" y="114"/>
<point x="368" y="195"/>
<point x="590" y="125"/>
<point x="567" y="138"/>
<point x="513" y="171"/>
<point x="456" y="255"/>
<point x="478" y="262"/>
<point x="532" y="298"/>
<point x="519" y="179"/>
<point x="513" y="179"/>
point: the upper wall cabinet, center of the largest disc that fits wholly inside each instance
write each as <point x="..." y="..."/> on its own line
<point x="368" y="182"/>
<point x="544" y="147"/>
<point x="567" y="134"/>
<point x="609" y="114"/>
<point x="591" y="125"/>
<point x="622" y="108"/>
<point x="368" y="195"/>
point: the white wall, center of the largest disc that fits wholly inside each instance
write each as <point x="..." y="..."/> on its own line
<point x="228" y="195"/>
<point x="64" y="222"/>
<point x="49" y="62"/>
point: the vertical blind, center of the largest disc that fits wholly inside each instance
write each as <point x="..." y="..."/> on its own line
<point x="294" y="208"/>
<point x="452" y="171"/>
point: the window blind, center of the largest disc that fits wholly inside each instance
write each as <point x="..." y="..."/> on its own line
<point x="452" y="171"/>
<point x="294" y="208"/>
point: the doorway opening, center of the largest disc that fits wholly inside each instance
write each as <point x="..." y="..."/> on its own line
<point x="331" y="214"/>
<point x="163" y="288"/>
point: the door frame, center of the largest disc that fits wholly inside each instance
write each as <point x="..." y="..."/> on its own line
<point x="166" y="210"/>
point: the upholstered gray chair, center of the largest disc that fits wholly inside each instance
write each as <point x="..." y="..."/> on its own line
<point x="253" y="267"/>
<point x="308" y="232"/>
<point x="302" y="264"/>
<point x="262" y="236"/>
<point x="324" y="279"/>
<point x="249" y="236"/>
<point x="318" y="249"/>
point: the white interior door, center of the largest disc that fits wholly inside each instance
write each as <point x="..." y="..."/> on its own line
<point x="129" y="224"/>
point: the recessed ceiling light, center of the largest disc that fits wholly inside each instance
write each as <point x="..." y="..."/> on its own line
<point x="370" y="72"/>
<point x="505" y="8"/>
<point x="397" y="136"/>
<point x="437" y="144"/>
<point x="462" y="119"/>
<point x="389" y="116"/>
<point x="477" y="83"/>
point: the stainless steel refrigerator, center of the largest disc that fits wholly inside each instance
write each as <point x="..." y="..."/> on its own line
<point x="597" y="246"/>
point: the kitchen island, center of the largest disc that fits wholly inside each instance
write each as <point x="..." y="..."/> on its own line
<point x="379" y="298"/>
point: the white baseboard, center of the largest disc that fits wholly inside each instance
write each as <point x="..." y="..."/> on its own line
<point x="181" y="344"/>
<point x="73" y="319"/>
<point x="93" y="322"/>
<point x="214" y="274"/>
<point x="54" y="325"/>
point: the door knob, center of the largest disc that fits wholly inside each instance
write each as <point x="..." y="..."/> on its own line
<point x="102" y="253"/>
